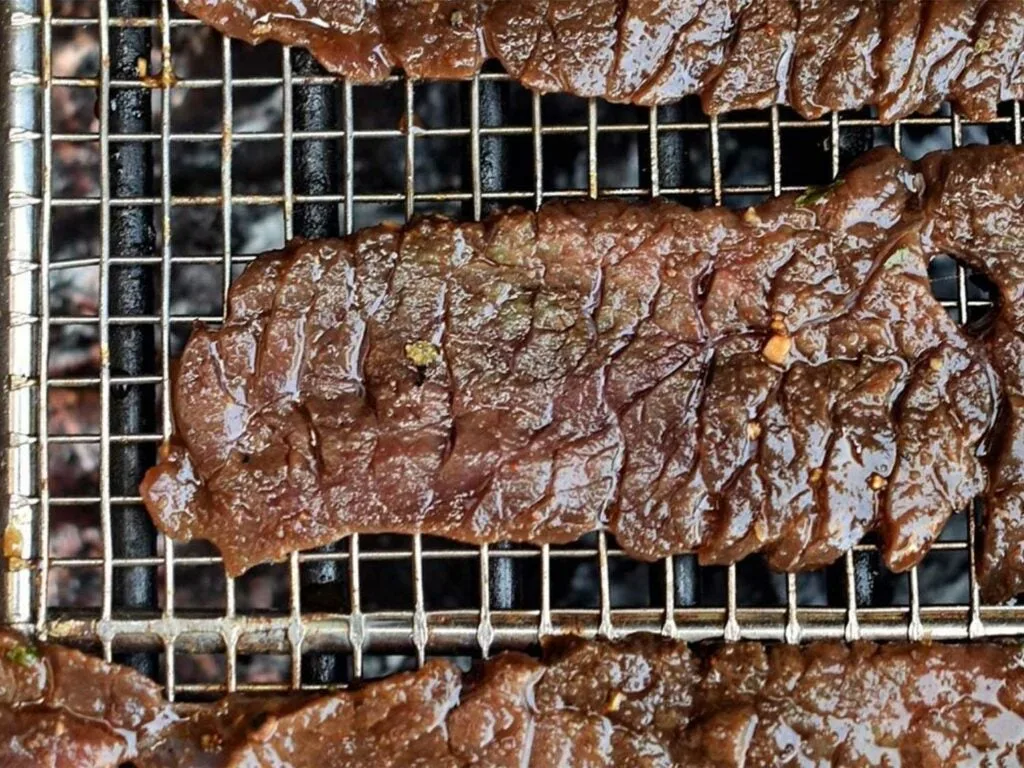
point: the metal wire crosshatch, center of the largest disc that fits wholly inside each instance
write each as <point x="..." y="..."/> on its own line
<point x="333" y="616"/>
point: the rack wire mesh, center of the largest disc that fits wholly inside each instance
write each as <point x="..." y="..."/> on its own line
<point x="345" y="607"/>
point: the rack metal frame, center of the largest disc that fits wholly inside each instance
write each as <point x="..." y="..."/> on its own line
<point x="135" y="208"/>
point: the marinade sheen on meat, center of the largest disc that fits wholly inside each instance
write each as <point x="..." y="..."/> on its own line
<point x="975" y="211"/>
<point x="778" y="380"/>
<point x="642" y="701"/>
<point x="651" y="702"/>
<point x="815" y="55"/>
<point x="62" y="708"/>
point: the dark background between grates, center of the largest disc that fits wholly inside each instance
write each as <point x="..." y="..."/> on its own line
<point x="154" y="184"/>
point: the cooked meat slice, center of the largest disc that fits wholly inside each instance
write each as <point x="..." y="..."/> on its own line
<point x="816" y="55"/>
<point x="62" y="708"/>
<point x="829" y="704"/>
<point x="974" y="210"/>
<point x="649" y="370"/>
<point x="33" y="737"/>
<point x="756" y="72"/>
<point x="646" y="684"/>
<point x="399" y="721"/>
<point x="796" y="427"/>
<point x="432" y="40"/>
<point x="649" y="701"/>
<point x="208" y="736"/>
<point x="944" y="47"/>
<point x="494" y="723"/>
<point x="992" y="73"/>
<point x="825" y="56"/>
<point x="641" y="701"/>
<point x="850" y="79"/>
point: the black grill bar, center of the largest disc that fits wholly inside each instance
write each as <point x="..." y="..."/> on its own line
<point x="673" y="169"/>
<point x="132" y="292"/>
<point x="316" y="171"/>
<point x="492" y="107"/>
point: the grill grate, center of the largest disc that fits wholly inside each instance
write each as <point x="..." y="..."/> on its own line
<point x="362" y="606"/>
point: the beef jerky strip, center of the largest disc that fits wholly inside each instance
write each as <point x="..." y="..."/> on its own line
<point x="648" y="701"/>
<point x="814" y="55"/>
<point x="780" y="380"/>
<point x="975" y="211"/>
<point x="62" y="708"/>
<point x="641" y="701"/>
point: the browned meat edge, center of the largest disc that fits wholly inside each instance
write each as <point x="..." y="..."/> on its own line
<point x="642" y="701"/>
<point x="814" y="55"/>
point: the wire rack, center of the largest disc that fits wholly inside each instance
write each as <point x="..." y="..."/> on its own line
<point x="331" y="622"/>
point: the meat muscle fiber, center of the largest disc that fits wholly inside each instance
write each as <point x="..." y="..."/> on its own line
<point x="778" y="380"/>
<point x="902" y="56"/>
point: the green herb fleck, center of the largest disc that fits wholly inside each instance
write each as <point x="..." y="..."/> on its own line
<point x="983" y="45"/>
<point x="899" y="259"/>
<point x="422" y="353"/>
<point x="23" y="655"/>
<point x="817" y="194"/>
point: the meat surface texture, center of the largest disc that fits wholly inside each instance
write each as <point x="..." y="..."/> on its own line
<point x="815" y="55"/>
<point x="60" y="708"/>
<point x="650" y="702"/>
<point x="975" y="211"/>
<point x="642" y="701"/>
<point x="779" y="380"/>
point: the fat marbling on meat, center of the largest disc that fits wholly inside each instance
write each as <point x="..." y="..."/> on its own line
<point x="815" y="55"/>
<point x="778" y="380"/>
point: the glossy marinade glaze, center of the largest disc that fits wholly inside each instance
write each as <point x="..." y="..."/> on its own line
<point x="814" y="55"/>
<point x="778" y="380"/>
<point x="642" y="701"/>
<point x="63" y="709"/>
<point x="975" y="212"/>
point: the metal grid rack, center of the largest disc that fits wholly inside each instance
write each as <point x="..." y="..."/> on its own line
<point x="328" y="625"/>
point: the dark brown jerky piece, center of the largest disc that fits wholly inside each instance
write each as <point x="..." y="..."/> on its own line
<point x="439" y="39"/>
<point x="934" y="464"/>
<point x="942" y="50"/>
<point x="756" y="71"/>
<point x="533" y="40"/>
<point x="571" y="738"/>
<point x="796" y="427"/>
<point x="974" y="212"/>
<point x="993" y="72"/>
<point x="34" y="737"/>
<point x="593" y="365"/>
<point x="62" y="708"/>
<point x="648" y="32"/>
<point x="816" y="55"/>
<point x="730" y="492"/>
<point x="850" y="78"/>
<point x="924" y="703"/>
<point x="345" y="35"/>
<point x="661" y="428"/>
<point x="397" y="721"/>
<point x="211" y="733"/>
<point x="823" y="24"/>
<point x="494" y="722"/>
